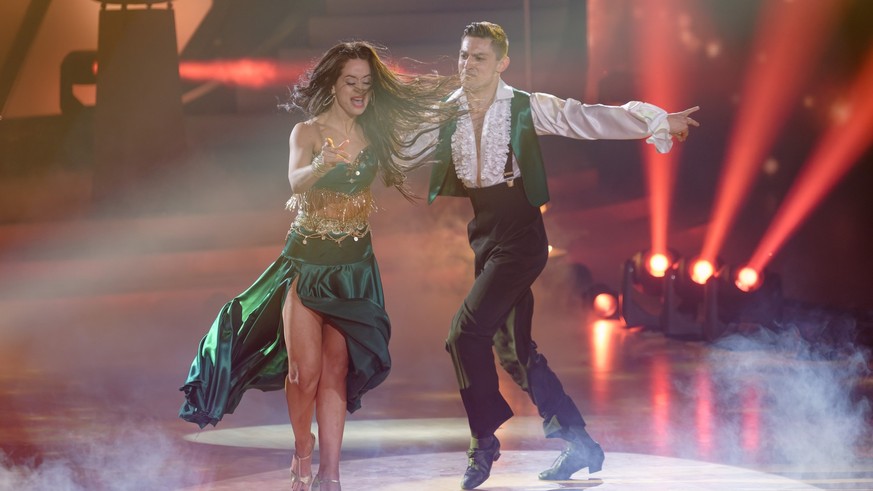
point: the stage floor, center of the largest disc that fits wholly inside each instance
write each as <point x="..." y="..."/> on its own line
<point x="100" y="318"/>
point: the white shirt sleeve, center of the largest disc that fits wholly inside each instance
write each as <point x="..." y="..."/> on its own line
<point x="571" y="118"/>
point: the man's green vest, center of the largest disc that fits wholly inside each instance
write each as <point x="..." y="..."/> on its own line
<point x="525" y="146"/>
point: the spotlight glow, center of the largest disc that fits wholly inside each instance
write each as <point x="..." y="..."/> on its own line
<point x="701" y="271"/>
<point x="789" y="39"/>
<point x="605" y="305"/>
<point x="748" y="279"/>
<point x="657" y="265"/>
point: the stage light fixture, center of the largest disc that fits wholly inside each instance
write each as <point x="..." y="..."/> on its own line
<point x="605" y="305"/>
<point x="139" y="125"/>
<point x="125" y="3"/>
<point x="642" y="288"/>
<point x="77" y="68"/>
<point x="734" y="306"/>
<point x="603" y="301"/>
<point x="685" y="288"/>
<point x="649" y="268"/>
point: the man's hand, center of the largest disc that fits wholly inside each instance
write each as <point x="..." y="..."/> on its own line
<point x="680" y="123"/>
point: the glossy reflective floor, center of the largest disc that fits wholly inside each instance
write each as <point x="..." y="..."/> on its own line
<point x="100" y="317"/>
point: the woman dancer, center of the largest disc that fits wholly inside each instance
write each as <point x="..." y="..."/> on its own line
<point x="315" y="321"/>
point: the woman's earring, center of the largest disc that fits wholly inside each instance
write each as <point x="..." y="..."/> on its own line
<point x="329" y="100"/>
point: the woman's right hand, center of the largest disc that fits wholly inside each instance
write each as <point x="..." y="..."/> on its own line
<point x="332" y="154"/>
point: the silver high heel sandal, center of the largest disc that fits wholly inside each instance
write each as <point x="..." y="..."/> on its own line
<point x="306" y="481"/>
<point x="321" y="484"/>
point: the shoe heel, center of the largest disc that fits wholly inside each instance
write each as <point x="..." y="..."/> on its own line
<point x="596" y="464"/>
<point x="496" y="456"/>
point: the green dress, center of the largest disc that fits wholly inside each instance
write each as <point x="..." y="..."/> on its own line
<point x="337" y="276"/>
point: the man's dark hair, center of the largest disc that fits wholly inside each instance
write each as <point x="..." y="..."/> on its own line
<point x="489" y="30"/>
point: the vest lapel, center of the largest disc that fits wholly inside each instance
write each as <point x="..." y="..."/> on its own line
<point x="525" y="145"/>
<point x="443" y="178"/>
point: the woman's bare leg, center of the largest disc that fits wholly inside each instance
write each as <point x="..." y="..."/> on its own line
<point x="302" y="329"/>
<point x="331" y="405"/>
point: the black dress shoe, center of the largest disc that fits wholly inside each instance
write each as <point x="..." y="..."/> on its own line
<point x="479" y="465"/>
<point x="573" y="459"/>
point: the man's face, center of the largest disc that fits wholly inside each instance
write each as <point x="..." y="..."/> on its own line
<point x="478" y="65"/>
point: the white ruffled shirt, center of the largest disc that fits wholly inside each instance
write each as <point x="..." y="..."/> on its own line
<point x="551" y="116"/>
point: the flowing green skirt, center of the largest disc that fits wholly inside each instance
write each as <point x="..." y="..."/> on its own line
<point x="245" y="347"/>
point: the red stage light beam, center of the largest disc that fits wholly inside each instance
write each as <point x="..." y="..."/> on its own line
<point x="248" y="72"/>
<point x="660" y="58"/>
<point x="834" y="155"/>
<point x="790" y="37"/>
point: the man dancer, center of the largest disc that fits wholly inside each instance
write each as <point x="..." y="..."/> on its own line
<point x="491" y="154"/>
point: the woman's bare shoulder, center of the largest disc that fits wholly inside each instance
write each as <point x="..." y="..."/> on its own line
<point x="306" y="133"/>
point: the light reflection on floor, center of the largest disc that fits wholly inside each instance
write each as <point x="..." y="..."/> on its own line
<point x="517" y="470"/>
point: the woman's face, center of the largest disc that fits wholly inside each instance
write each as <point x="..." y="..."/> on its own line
<point x="352" y="88"/>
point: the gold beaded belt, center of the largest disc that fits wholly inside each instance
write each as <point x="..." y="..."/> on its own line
<point x="331" y="215"/>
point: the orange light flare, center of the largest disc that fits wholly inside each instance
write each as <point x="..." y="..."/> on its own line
<point x="790" y="37"/>
<point x="249" y="72"/>
<point x="701" y="271"/>
<point x="604" y="336"/>
<point x="658" y="264"/>
<point x="839" y="149"/>
<point x="601" y="346"/>
<point x="605" y="305"/>
<point x="748" y="279"/>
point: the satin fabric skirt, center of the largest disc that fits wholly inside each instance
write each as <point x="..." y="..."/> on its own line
<point x="245" y="347"/>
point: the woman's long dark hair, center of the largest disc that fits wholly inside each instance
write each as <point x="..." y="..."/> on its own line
<point x="399" y="106"/>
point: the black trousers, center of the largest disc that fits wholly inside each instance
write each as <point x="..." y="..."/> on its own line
<point x="511" y="248"/>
